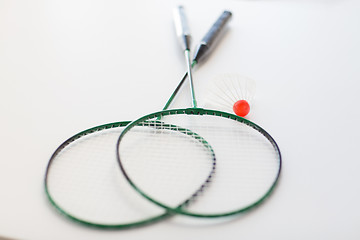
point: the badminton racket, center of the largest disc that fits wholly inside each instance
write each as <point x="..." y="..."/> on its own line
<point x="82" y="182"/>
<point x="247" y="169"/>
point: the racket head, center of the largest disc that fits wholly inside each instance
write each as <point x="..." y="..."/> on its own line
<point x="255" y="144"/>
<point x="80" y="167"/>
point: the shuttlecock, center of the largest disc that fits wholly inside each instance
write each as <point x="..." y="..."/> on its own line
<point x="231" y="93"/>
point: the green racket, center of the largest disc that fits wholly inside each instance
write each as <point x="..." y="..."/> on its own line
<point x="83" y="182"/>
<point x="247" y="169"/>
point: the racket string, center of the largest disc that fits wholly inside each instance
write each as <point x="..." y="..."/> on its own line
<point x="147" y="157"/>
<point x="85" y="182"/>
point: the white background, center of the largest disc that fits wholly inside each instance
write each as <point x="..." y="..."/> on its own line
<point x="66" y="66"/>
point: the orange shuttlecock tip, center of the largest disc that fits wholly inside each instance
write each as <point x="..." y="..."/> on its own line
<point x="241" y="108"/>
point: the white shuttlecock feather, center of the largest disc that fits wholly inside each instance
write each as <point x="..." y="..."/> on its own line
<point x="231" y="93"/>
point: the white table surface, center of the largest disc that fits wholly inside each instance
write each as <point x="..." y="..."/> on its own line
<point x="66" y="66"/>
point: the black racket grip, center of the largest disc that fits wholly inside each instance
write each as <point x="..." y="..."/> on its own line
<point x="210" y="37"/>
<point x="216" y="28"/>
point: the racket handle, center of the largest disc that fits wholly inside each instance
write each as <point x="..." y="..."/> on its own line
<point x="210" y="37"/>
<point x="182" y="28"/>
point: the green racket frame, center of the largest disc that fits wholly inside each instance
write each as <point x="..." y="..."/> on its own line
<point x="155" y="124"/>
<point x="199" y="111"/>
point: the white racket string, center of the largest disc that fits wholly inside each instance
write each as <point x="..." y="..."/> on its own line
<point x="173" y="173"/>
<point x="84" y="182"/>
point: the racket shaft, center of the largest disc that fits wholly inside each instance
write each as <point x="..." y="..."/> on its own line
<point x="203" y="49"/>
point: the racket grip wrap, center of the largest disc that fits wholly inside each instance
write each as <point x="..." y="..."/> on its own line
<point x="210" y="37"/>
<point x="182" y="27"/>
